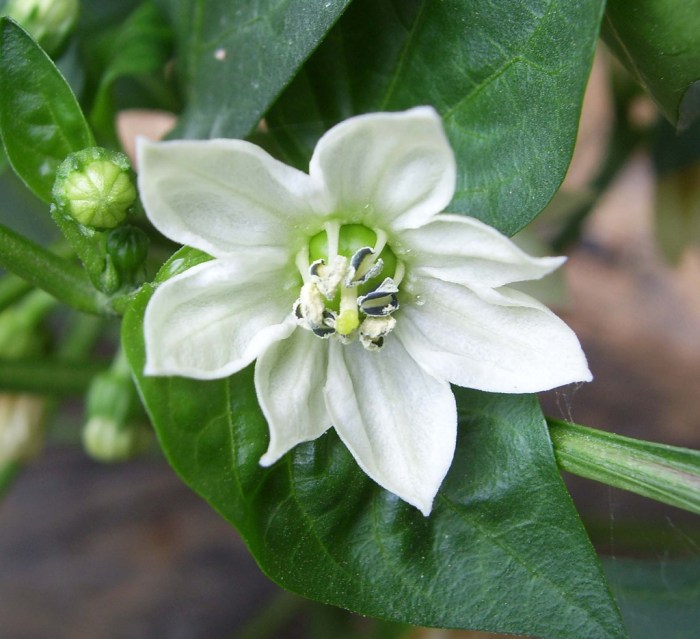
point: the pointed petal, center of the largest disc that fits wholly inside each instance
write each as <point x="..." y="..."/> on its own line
<point x="221" y="195"/>
<point x="289" y="379"/>
<point x="216" y="318"/>
<point x="492" y="340"/>
<point x="399" y="422"/>
<point x="466" y="251"/>
<point x="393" y="170"/>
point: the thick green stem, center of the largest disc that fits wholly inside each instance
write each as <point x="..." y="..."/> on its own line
<point x="665" y="473"/>
<point x="57" y="276"/>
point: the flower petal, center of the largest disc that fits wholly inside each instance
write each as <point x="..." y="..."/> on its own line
<point x="492" y="340"/>
<point x="393" y="170"/>
<point x="221" y="195"/>
<point x="215" y="318"/>
<point x="289" y="378"/>
<point x="399" y="422"/>
<point x="466" y="251"/>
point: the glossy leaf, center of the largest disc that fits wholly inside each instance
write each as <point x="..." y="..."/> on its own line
<point x="234" y="59"/>
<point x="507" y="78"/>
<point x="40" y="119"/>
<point x="503" y="549"/>
<point x="141" y="46"/>
<point x="658" y="41"/>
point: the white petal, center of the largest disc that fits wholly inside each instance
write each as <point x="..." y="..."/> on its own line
<point x="399" y="422"/>
<point x="214" y="319"/>
<point x="220" y="195"/>
<point x="393" y="170"/>
<point x="289" y="379"/>
<point x="499" y="341"/>
<point x="466" y="251"/>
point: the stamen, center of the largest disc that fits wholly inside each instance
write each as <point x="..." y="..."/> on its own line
<point x="333" y="235"/>
<point x="399" y="273"/>
<point x="302" y="262"/>
<point x="329" y="276"/>
<point x="363" y="267"/>
<point x="373" y="330"/>
<point x="380" y="243"/>
<point x="382" y="301"/>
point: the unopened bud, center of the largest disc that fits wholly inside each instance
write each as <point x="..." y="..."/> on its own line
<point x="21" y="427"/>
<point x="107" y="440"/>
<point x="115" y="429"/>
<point x="95" y="186"/>
<point x="127" y="247"/>
<point x="49" y="22"/>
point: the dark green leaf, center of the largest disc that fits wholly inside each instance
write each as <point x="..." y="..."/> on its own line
<point x="503" y="549"/>
<point x="234" y="59"/>
<point x="508" y="79"/>
<point x="658" y="41"/>
<point x="40" y="119"/>
<point x="141" y="46"/>
<point x="658" y="599"/>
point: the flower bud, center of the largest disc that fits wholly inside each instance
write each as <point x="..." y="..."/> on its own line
<point x="127" y="247"/>
<point x="49" y="22"/>
<point x="95" y="187"/>
<point x="114" y="430"/>
<point x="21" y="427"/>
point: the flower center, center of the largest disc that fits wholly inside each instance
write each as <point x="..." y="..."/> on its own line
<point x="351" y="285"/>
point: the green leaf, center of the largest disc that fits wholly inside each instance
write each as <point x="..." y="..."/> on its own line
<point x="508" y="79"/>
<point x="235" y="59"/>
<point x="658" y="599"/>
<point x="503" y="549"/>
<point x="141" y="46"/>
<point x="657" y="40"/>
<point x="40" y="119"/>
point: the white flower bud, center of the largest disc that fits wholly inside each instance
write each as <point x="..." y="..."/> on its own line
<point x="49" y="22"/>
<point x="21" y="427"/>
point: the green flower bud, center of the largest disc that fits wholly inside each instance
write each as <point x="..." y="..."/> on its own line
<point x="127" y="247"/>
<point x="49" y="22"/>
<point x="114" y="430"/>
<point x="95" y="187"/>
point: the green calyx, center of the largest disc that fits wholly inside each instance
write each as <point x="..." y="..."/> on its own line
<point x="95" y="187"/>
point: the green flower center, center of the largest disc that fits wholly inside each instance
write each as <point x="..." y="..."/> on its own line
<point x="350" y="289"/>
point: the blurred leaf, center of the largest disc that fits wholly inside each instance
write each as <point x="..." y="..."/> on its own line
<point x="235" y="58"/>
<point x="40" y="119"/>
<point x="657" y="40"/>
<point x="141" y="46"/>
<point x="503" y="549"/>
<point x="657" y="599"/>
<point x="507" y="78"/>
<point x="677" y="206"/>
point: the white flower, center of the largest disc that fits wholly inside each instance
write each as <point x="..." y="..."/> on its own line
<point x="360" y="302"/>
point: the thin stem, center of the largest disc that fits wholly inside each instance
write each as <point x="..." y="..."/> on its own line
<point x="48" y="376"/>
<point x="665" y="473"/>
<point x="56" y="275"/>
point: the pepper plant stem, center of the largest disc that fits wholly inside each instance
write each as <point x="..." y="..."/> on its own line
<point x="48" y="376"/>
<point x="665" y="473"/>
<point x="56" y="275"/>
